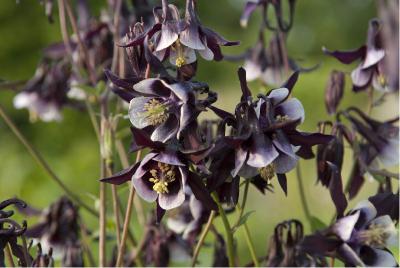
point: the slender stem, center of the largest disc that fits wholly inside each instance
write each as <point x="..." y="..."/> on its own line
<point x="228" y="230"/>
<point x="245" y="192"/>
<point x="203" y="237"/>
<point x="40" y="160"/>
<point x="102" y="218"/>
<point x="9" y="257"/>
<point x="302" y="193"/>
<point x="250" y="245"/>
<point x="332" y="261"/>
<point x="125" y="229"/>
<point x="116" y="212"/>
<point x="85" y="242"/>
<point x="93" y="119"/>
<point x="249" y="241"/>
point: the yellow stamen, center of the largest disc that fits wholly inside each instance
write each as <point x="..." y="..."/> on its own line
<point x="281" y="118"/>
<point x="375" y="236"/>
<point x="267" y="172"/>
<point x="156" y="112"/>
<point x="162" y="176"/>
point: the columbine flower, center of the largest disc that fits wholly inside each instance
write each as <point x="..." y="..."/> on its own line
<point x="284" y="250"/>
<point x="359" y="239"/>
<point x="179" y="39"/>
<point x="10" y="231"/>
<point x="265" y="137"/>
<point x="45" y="93"/>
<point x="371" y="70"/>
<point x="280" y="24"/>
<point x="59" y="229"/>
<point x="166" y="109"/>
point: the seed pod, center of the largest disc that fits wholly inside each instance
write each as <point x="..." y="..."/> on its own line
<point x="334" y="91"/>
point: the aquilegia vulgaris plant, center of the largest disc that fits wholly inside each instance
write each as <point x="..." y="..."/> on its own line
<point x="133" y="70"/>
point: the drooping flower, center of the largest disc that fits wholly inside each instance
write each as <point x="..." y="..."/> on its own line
<point x="334" y="91"/>
<point x="359" y="239"/>
<point x="264" y="133"/>
<point x="58" y="228"/>
<point x="371" y="69"/>
<point x="179" y="39"/>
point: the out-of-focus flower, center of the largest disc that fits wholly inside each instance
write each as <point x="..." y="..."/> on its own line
<point x="371" y="70"/>
<point x="220" y="258"/>
<point x="284" y="250"/>
<point x="59" y="229"/>
<point x="46" y="92"/>
<point x="359" y="239"/>
<point x="334" y="91"/>
<point x="280" y="25"/>
<point x="10" y="231"/>
<point x="179" y="39"/>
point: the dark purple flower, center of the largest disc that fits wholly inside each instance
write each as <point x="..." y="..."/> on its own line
<point x="280" y="25"/>
<point x="46" y="92"/>
<point x="370" y="70"/>
<point x="359" y="239"/>
<point x="59" y="229"/>
<point x="264" y="133"/>
<point x="334" y="91"/>
<point x="10" y="231"/>
<point x="178" y="39"/>
<point x="284" y="250"/>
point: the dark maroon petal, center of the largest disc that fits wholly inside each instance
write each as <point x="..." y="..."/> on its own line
<point x="140" y="39"/>
<point x="349" y="257"/>
<point x="261" y="152"/>
<point x="200" y="191"/>
<point x="284" y="163"/>
<point x="141" y="140"/>
<point x="221" y="113"/>
<point x="282" y="182"/>
<point x="319" y="244"/>
<point x="182" y="91"/>
<point x="153" y="87"/>
<point x="248" y="9"/>
<point x="309" y="139"/>
<point x="334" y="90"/>
<point x="169" y="157"/>
<point x="122" y="176"/>
<point x="160" y="212"/>
<point x="289" y="84"/>
<point x="36" y="231"/>
<point x="346" y="57"/>
<point x="246" y="93"/>
<point x="336" y="190"/>
<point x="216" y="38"/>
<point x="240" y="158"/>
<point x="356" y="181"/>
<point x="305" y="152"/>
<point x="386" y="204"/>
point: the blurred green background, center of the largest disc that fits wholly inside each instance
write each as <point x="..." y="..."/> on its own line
<point x="71" y="148"/>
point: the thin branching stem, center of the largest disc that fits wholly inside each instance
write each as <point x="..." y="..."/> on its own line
<point x="244" y="200"/>
<point x="203" y="237"/>
<point x="303" y="194"/>
<point x="7" y="251"/>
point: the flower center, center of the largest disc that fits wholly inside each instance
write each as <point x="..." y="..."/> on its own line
<point x="281" y="118"/>
<point x="161" y="177"/>
<point x="156" y="112"/>
<point x="180" y="59"/>
<point x="267" y="172"/>
<point x="375" y="236"/>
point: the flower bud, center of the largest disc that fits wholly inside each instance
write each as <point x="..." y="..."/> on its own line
<point x="334" y="91"/>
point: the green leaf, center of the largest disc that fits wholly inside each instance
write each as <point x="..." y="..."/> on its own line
<point x="243" y="220"/>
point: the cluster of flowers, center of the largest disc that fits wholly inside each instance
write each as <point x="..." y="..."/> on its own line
<point x="193" y="166"/>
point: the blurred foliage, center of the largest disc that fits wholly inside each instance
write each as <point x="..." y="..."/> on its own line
<point x="71" y="147"/>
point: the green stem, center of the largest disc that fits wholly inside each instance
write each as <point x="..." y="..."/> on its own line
<point x="40" y="160"/>
<point x="203" y="237"/>
<point x="302" y="194"/>
<point x="228" y="230"/>
<point x="245" y="192"/>
<point x="249" y="241"/>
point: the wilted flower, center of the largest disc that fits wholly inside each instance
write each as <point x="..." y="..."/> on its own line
<point x="59" y="229"/>
<point x="179" y="39"/>
<point x="371" y="70"/>
<point x="359" y="239"/>
<point x="280" y="24"/>
<point x="10" y="231"/>
<point x="284" y="249"/>
<point x="334" y="91"/>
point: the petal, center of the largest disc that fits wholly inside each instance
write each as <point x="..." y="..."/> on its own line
<point x="373" y="57"/>
<point x="346" y="57"/>
<point x="367" y="211"/>
<point x="168" y="157"/>
<point x="206" y="53"/>
<point x="262" y="152"/>
<point x="249" y="8"/>
<point x="378" y="257"/>
<point x="389" y="155"/>
<point x="361" y="77"/>
<point x="168" y="35"/>
<point x="153" y="86"/>
<point x="137" y="114"/>
<point x="190" y="37"/>
<point x="240" y="158"/>
<point x="282" y="143"/>
<point x="143" y="189"/>
<point x="390" y="229"/>
<point x="278" y="95"/>
<point x="284" y="163"/>
<point x="170" y="201"/>
<point x="253" y="70"/>
<point x="166" y="130"/>
<point x="344" y="227"/>
<point x="292" y="108"/>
